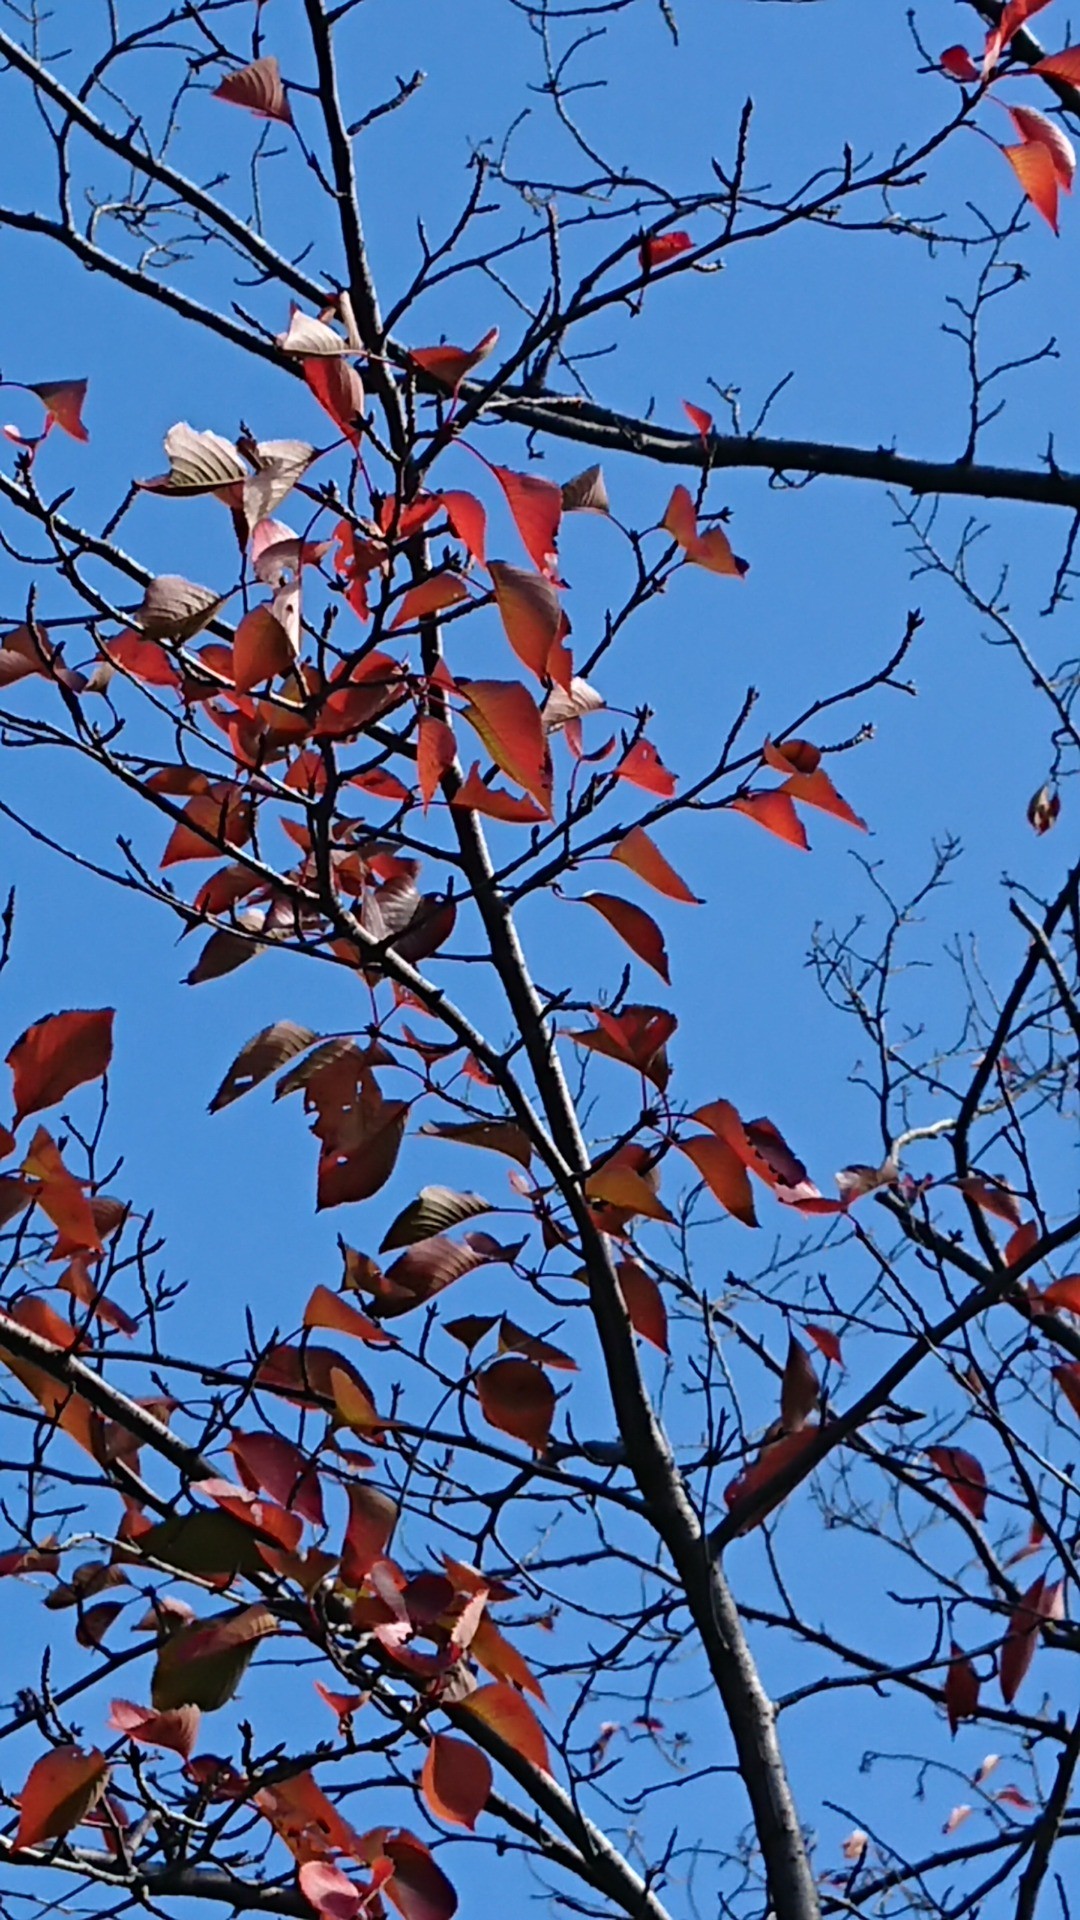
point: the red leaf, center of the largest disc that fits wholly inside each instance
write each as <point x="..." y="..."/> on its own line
<point x="456" y="1780"/>
<point x="450" y="365"/>
<point x="637" y="1036"/>
<point x="329" y="1891"/>
<point x="1068" y="1379"/>
<point x="63" y="402"/>
<point x="177" y="1730"/>
<point x="775" y="812"/>
<point x="637" y="928"/>
<point x="699" y="418"/>
<point x="496" y="802"/>
<point x="1039" y="1603"/>
<point x="60" y="1791"/>
<point x="643" y="857"/>
<point x="511" y="1718"/>
<point x="344" y="1705"/>
<point x="372" y="1519"/>
<point x="753" y="1484"/>
<point x="518" y="1398"/>
<point x="1013" y="16"/>
<point x="1064" y="1293"/>
<point x="56" y="1055"/>
<point x="657" y="249"/>
<point x="431" y="596"/>
<point x="258" y="88"/>
<point x="723" y="1173"/>
<point x="468" y="523"/>
<point x="958" y="61"/>
<point x="993" y="1196"/>
<point x="961" y="1689"/>
<point x="436" y="751"/>
<point x="643" y="767"/>
<point x="537" y="507"/>
<point x="964" y="1474"/>
<point x="144" y="659"/>
<point x="272" y="1464"/>
<point x="826" y="1342"/>
<point x="262" y="649"/>
<point x="339" y="391"/>
<point x="417" y="1887"/>
<point x="1019" y="1245"/>
<point x="800" y="1389"/>
<point x="1033" y="165"/>
<point x="380" y="784"/>
<point x="644" y="1303"/>
<point x="507" y="718"/>
<point x="531" y="614"/>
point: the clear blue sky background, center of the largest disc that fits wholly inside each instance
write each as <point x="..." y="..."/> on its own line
<point x="857" y="321"/>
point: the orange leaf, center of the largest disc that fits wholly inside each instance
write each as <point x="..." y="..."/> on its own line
<point x="510" y="1717"/>
<point x="1061" y="66"/>
<point x="259" y="88"/>
<point x="507" y="718"/>
<point x="496" y="803"/>
<point x="334" y="1312"/>
<point x="144" y="659"/>
<point x="643" y="767"/>
<point x="518" y="1398"/>
<point x="56" y="1055"/>
<point x="817" y="790"/>
<point x="61" y="1788"/>
<point x="622" y="1186"/>
<point x="711" y="549"/>
<point x="1034" y="126"/>
<point x="643" y="857"/>
<point x="456" y="1780"/>
<point x="531" y="614"/>
<point x="537" y="509"/>
<point x="450" y="365"/>
<point x="1013" y="16"/>
<point x="723" y="1173"/>
<point x="775" y="812"/>
<point x="488" y="1647"/>
<point x="637" y="928"/>
<point x="1033" y="165"/>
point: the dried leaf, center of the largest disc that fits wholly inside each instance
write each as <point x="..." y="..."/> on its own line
<point x="637" y="928"/>
<point x="259" y="88"/>
<point x="456" y="1780"/>
<point x="518" y="1398"/>
<point x="435" y="1210"/>
<point x="61" y="1789"/>
<point x="259" y="1058"/>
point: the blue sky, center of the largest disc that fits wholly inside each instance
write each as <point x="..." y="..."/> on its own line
<point x="857" y="321"/>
